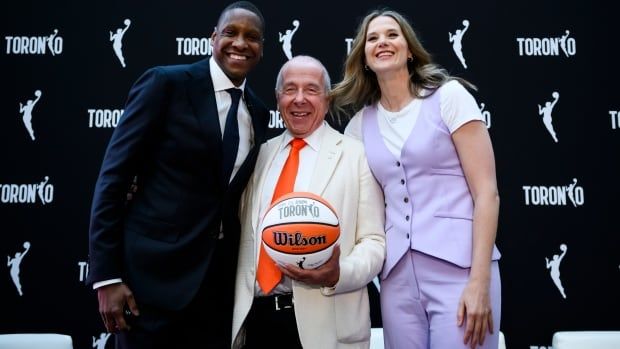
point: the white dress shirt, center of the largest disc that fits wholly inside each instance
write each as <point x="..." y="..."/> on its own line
<point x="221" y="83"/>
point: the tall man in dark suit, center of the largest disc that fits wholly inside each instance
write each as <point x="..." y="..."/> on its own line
<point x="164" y="265"/>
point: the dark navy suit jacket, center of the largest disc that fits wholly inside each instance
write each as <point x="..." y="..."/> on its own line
<point x="161" y="243"/>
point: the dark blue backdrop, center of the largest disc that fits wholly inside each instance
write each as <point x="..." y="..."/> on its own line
<point x="514" y="54"/>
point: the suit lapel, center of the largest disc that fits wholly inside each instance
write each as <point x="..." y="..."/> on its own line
<point x="328" y="158"/>
<point x="202" y="98"/>
<point x="258" y="124"/>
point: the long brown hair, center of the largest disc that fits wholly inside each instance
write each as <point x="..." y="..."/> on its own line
<point x="359" y="86"/>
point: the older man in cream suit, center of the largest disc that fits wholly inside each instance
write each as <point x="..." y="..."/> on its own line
<point x="326" y="307"/>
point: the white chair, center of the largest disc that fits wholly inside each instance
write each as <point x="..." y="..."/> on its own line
<point x="35" y="341"/>
<point x="376" y="339"/>
<point x="586" y="340"/>
<point x="502" y="341"/>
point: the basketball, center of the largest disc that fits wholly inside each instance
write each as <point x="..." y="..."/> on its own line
<point x="300" y="229"/>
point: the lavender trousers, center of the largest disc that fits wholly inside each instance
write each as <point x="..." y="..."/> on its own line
<point x="419" y="301"/>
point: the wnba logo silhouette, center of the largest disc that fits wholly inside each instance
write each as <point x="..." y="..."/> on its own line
<point x="554" y="268"/>
<point x="546" y="114"/>
<point x="26" y="111"/>
<point x="486" y="115"/>
<point x="99" y="343"/>
<point x="14" y="266"/>
<point x="457" y="42"/>
<point x="34" y="45"/>
<point x="287" y="38"/>
<point x="117" y="41"/>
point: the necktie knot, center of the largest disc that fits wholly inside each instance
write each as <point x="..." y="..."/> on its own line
<point x="235" y="94"/>
<point x="298" y="143"/>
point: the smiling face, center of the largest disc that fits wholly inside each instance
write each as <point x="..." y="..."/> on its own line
<point x="386" y="48"/>
<point x="302" y="98"/>
<point x="237" y="43"/>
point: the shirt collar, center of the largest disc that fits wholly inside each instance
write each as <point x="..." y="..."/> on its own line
<point x="221" y="82"/>
<point x="313" y="140"/>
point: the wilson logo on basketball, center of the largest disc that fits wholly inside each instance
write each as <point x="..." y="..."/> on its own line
<point x="301" y="229"/>
<point x="284" y="238"/>
<point x="300" y="237"/>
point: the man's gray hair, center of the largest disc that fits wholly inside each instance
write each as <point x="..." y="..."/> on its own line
<point x="326" y="81"/>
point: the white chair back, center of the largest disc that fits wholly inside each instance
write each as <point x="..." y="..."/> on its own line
<point x="35" y="341"/>
<point x="376" y="339"/>
<point x="502" y="341"/>
<point x="586" y="340"/>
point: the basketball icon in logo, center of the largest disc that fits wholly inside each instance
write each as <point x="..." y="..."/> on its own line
<point x="301" y="229"/>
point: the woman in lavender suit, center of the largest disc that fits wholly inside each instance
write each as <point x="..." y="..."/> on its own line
<point x="431" y="152"/>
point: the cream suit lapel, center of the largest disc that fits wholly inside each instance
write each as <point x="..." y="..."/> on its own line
<point x="265" y="158"/>
<point x="329" y="156"/>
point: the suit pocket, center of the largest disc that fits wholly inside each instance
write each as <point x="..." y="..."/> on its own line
<point x="454" y="199"/>
<point x="455" y="215"/>
<point x="152" y="228"/>
<point x="352" y="310"/>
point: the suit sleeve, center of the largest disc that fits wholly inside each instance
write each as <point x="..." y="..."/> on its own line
<point x="366" y="259"/>
<point x="126" y="149"/>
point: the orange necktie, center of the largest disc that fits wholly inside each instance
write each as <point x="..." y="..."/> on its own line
<point x="267" y="274"/>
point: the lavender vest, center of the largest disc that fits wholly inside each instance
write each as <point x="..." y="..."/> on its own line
<point x="428" y="204"/>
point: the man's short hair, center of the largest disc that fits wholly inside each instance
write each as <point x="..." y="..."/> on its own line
<point x="246" y="5"/>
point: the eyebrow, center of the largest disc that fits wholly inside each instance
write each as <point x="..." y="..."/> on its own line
<point x="388" y="30"/>
<point x="237" y="26"/>
<point x="303" y="85"/>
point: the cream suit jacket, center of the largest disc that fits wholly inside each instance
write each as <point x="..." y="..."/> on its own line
<point x="327" y="318"/>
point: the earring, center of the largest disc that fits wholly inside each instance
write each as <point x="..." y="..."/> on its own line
<point x="410" y="59"/>
<point x="366" y="67"/>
